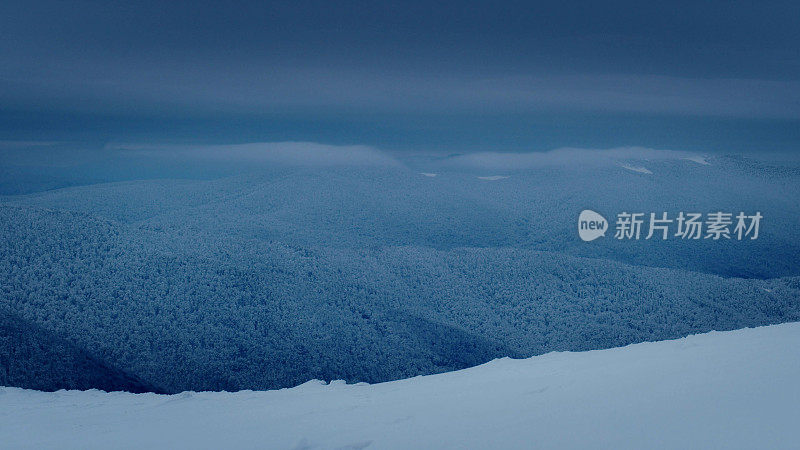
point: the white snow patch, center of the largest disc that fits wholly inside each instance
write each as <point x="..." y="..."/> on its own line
<point x="698" y="159"/>
<point x="493" y="177"/>
<point x="638" y="169"/>
<point x="735" y="389"/>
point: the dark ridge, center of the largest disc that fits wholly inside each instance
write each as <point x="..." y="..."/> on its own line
<point x="34" y="358"/>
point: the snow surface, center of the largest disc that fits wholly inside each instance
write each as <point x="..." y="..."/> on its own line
<point x="736" y="389"/>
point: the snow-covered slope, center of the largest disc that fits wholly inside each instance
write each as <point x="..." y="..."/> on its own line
<point x="736" y="389"/>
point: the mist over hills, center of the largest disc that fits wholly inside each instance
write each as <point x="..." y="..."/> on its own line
<point x="267" y="265"/>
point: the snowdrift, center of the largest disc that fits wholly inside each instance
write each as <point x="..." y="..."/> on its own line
<point x="735" y="389"/>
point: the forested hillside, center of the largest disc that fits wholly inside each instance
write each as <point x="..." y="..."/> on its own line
<point x="34" y="358"/>
<point x="374" y="272"/>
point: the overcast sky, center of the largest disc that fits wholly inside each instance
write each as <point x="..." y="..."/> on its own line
<point x="520" y="74"/>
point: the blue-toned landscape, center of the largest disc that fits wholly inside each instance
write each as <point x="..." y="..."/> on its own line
<point x="399" y="225"/>
<point x="351" y="263"/>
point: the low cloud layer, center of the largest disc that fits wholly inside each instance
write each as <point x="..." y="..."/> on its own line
<point x="315" y="154"/>
<point x="278" y="153"/>
<point x="254" y="88"/>
<point x="403" y="75"/>
<point x="565" y="157"/>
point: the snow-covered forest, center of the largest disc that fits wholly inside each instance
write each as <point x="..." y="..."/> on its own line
<point x="349" y="263"/>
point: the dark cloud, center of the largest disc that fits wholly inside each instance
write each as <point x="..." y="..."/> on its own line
<point x="176" y="58"/>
